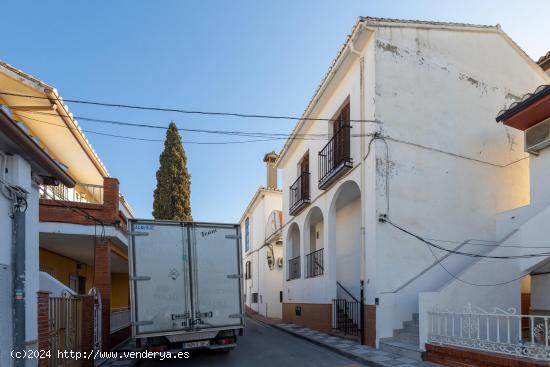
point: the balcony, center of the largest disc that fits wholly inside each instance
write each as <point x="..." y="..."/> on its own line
<point x="85" y="204"/>
<point x="80" y="193"/>
<point x="314" y="264"/>
<point x="294" y="268"/>
<point x="335" y="158"/>
<point x="299" y="194"/>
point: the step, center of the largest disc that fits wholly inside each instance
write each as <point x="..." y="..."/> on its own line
<point x="408" y="329"/>
<point x="415" y="317"/>
<point x="400" y="348"/>
<point x="410" y="323"/>
<point x="407" y="338"/>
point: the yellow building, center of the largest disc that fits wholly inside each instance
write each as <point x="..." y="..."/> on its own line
<point x="83" y="236"/>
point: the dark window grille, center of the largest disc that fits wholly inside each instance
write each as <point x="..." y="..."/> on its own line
<point x="314" y="264"/>
<point x="248" y="270"/>
<point x="294" y="268"/>
<point x="254" y="297"/>
<point x="299" y="193"/>
<point x="336" y="154"/>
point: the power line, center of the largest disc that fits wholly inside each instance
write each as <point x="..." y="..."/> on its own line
<point x="178" y="110"/>
<point x="148" y="139"/>
<point x="385" y="219"/>
<point x="440" y="263"/>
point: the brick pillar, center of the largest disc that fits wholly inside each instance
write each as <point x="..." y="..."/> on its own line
<point x="111" y="197"/>
<point x="87" y="327"/>
<point x="43" y="316"/>
<point x="102" y="281"/>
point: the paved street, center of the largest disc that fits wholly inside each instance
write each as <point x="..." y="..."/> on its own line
<point x="264" y="346"/>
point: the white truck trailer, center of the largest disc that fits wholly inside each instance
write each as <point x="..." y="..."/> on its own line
<point x="185" y="284"/>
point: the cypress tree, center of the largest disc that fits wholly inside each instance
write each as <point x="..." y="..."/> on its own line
<point x="172" y="197"/>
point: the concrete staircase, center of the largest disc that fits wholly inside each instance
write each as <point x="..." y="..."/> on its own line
<point x="404" y="341"/>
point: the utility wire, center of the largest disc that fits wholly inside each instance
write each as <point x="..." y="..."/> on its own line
<point x="440" y="263"/>
<point x="385" y="219"/>
<point x="148" y="139"/>
<point x="178" y="110"/>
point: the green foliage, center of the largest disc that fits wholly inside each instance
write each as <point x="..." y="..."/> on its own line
<point x="172" y="197"/>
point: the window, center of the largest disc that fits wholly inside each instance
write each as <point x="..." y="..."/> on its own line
<point x="77" y="284"/>
<point x="281" y="296"/>
<point x="254" y="297"/>
<point x="246" y="235"/>
<point x="248" y="270"/>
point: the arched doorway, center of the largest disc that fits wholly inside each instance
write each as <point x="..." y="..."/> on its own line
<point x="314" y="243"/>
<point x="293" y="252"/>
<point x="346" y="235"/>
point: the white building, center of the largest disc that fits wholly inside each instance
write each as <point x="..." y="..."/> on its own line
<point x="525" y="281"/>
<point x="23" y="167"/>
<point x="412" y="141"/>
<point x="262" y="246"/>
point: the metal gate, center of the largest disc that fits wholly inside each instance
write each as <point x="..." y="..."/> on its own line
<point x="97" y="318"/>
<point x="65" y="328"/>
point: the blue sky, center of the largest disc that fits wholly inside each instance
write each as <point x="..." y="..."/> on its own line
<point x="245" y="56"/>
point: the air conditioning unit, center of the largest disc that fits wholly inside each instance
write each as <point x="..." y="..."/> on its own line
<point x="537" y="137"/>
<point x="280" y="262"/>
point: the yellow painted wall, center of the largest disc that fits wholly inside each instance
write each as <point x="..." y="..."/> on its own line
<point x="61" y="268"/>
<point x="119" y="290"/>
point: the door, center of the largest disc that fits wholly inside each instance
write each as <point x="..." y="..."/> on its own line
<point x="216" y="276"/>
<point x="304" y="172"/>
<point x="160" y="273"/>
<point x="340" y="132"/>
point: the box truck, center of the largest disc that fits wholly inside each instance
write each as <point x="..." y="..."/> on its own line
<point x="185" y="285"/>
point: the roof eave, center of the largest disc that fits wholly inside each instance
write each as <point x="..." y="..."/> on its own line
<point x="34" y="152"/>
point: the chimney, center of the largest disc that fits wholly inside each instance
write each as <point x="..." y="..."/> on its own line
<point x="269" y="160"/>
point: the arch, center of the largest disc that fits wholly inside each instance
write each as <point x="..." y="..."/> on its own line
<point x="313" y="230"/>
<point x="314" y="243"/>
<point x="293" y="252"/>
<point x="345" y="236"/>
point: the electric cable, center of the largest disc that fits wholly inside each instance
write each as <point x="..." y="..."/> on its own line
<point x="177" y="110"/>
<point x="385" y="219"/>
<point x="440" y="263"/>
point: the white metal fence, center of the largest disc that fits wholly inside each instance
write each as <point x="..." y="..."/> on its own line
<point x="81" y="193"/>
<point x="120" y="318"/>
<point x="499" y="331"/>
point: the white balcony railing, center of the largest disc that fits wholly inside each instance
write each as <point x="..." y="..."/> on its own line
<point x="499" y="331"/>
<point x="120" y="318"/>
<point x="81" y="193"/>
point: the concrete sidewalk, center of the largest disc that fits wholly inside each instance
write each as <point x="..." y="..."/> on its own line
<point x="351" y="349"/>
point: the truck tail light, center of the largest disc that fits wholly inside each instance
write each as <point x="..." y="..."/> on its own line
<point x="157" y="348"/>
<point x="226" y="341"/>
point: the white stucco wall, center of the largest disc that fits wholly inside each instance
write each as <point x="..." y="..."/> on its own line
<point x="264" y="281"/>
<point x="435" y="93"/>
<point x="22" y="178"/>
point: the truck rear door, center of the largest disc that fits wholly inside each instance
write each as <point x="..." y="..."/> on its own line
<point x="216" y="275"/>
<point x="160" y="274"/>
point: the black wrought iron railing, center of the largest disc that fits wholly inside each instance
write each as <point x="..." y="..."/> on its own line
<point x="335" y="155"/>
<point x="299" y="193"/>
<point x="314" y="264"/>
<point x="347" y="314"/>
<point x="294" y="268"/>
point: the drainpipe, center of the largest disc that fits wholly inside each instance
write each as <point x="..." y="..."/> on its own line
<point x="362" y="187"/>
<point x="18" y="259"/>
<point x="18" y="196"/>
